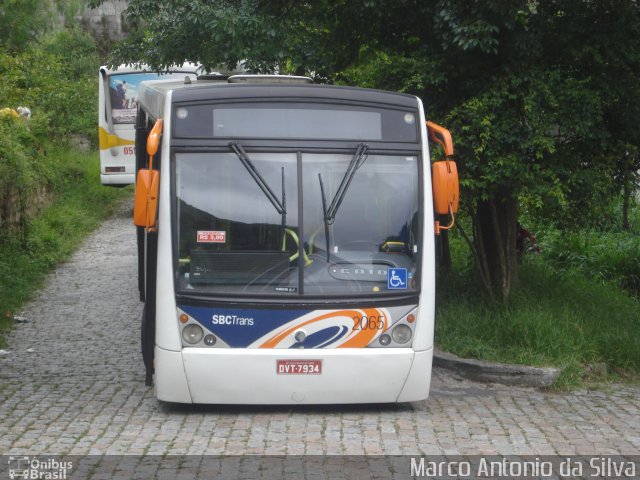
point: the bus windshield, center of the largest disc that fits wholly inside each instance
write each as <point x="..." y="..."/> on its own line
<point x="232" y="241"/>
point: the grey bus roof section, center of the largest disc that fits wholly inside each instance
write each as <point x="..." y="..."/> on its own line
<point x="152" y="94"/>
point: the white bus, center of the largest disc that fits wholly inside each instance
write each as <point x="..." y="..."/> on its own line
<point x="117" y="107"/>
<point x="288" y="241"/>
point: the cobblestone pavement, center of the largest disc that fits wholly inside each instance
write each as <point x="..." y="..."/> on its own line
<point x="73" y="384"/>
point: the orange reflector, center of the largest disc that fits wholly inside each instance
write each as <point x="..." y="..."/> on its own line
<point x="184" y="318"/>
<point x="411" y="318"/>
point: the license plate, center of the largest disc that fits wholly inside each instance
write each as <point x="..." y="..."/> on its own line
<point x="298" y="367"/>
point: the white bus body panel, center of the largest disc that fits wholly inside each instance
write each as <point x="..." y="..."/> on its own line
<point x="167" y="330"/>
<point x="170" y="382"/>
<point x="424" y="334"/>
<point x="117" y="178"/>
<point x="418" y="382"/>
<point x="119" y="156"/>
<point x="241" y="376"/>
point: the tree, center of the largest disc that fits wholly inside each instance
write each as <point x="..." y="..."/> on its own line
<point x="526" y="86"/>
<point x="23" y="21"/>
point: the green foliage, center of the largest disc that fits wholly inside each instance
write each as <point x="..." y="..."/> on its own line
<point x="56" y="79"/>
<point x="454" y="49"/>
<point x="21" y="21"/>
<point x="603" y="256"/>
<point x="568" y="311"/>
<point x="536" y="111"/>
<point x="20" y="148"/>
<point x="505" y="77"/>
<point x="388" y="72"/>
<point x="76" y="47"/>
<point x="81" y="202"/>
<point x="53" y="75"/>
<point x="554" y="319"/>
<point x="503" y="136"/>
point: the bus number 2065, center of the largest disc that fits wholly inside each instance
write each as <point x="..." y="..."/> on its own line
<point x="369" y="323"/>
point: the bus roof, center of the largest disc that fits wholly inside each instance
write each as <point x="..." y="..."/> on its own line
<point x="152" y="93"/>
<point x="186" y="67"/>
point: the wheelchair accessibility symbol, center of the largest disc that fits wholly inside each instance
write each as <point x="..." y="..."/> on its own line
<point x="397" y="278"/>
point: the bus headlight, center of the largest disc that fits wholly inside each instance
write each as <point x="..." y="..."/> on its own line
<point x="401" y="333"/>
<point x="192" y="333"/>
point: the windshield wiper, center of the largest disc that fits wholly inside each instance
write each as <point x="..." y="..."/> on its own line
<point x="324" y="212"/>
<point x="280" y="206"/>
<point x="358" y="159"/>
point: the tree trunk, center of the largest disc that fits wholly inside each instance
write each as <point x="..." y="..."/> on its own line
<point x="494" y="236"/>
<point x="626" y="199"/>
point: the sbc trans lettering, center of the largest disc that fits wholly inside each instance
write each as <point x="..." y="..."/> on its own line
<point x="231" y="320"/>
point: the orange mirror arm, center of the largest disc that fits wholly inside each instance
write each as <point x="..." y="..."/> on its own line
<point x="439" y="228"/>
<point x="442" y="136"/>
<point x="154" y="140"/>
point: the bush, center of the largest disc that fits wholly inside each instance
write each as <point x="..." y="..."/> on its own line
<point x="55" y="77"/>
<point x="568" y="310"/>
<point x="22" y="168"/>
<point x="559" y="319"/>
<point x="604" y="256"/>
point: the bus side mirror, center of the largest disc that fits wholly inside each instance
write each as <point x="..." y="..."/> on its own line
<point x="446" y="188"/>
<point x="442" y="136"/>
<point x="154" y="138"/>
<point x="146" y="199"/>
<point x="145" y="207"/>
<point x="444" y="177"/>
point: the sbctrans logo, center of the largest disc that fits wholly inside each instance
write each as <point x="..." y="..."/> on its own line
<point x="33" y="468"/>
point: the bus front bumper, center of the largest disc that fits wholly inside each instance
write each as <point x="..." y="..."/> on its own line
<point x="233" y="376"/>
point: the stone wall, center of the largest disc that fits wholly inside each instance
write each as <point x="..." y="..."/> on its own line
<point x="17" y="207"/>
<point x="106" y="21"/>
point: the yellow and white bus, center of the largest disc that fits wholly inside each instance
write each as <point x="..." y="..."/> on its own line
<point x="117" y="107"/>
<point x="288" y="241"/>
